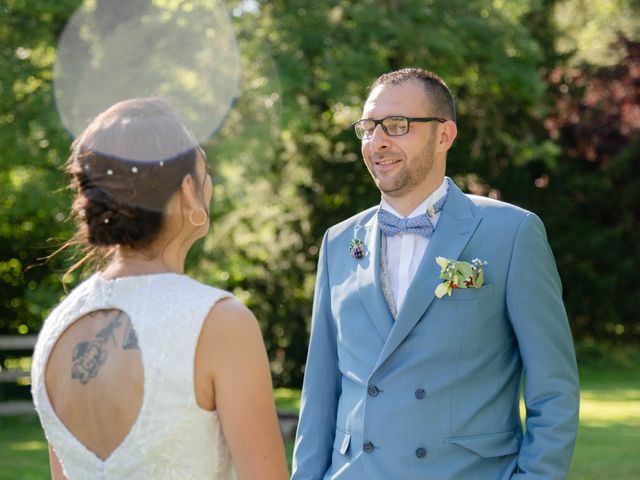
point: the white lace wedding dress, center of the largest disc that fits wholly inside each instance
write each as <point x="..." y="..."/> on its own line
<point x="172" y="437"/>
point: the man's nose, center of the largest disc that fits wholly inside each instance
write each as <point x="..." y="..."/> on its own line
<point x="379" y="139"/>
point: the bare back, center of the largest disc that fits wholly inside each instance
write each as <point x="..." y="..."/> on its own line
<point x="95" y="379"/>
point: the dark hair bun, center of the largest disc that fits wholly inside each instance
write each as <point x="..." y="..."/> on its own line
<point x="109" y="222"/>
<point x="125" y="167"/>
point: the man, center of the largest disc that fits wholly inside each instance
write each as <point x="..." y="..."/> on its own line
<point x="402" y="384"/>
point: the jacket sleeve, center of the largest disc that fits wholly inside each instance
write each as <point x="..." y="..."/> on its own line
<point x="551" y="390"/>
<point x="322" y="385"/>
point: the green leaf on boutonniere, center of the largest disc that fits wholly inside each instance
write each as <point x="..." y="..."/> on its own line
<point x="443" y="289"/>
<point x="459" y="274"/>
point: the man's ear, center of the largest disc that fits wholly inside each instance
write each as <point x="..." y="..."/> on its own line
<point x="448" y="133"/>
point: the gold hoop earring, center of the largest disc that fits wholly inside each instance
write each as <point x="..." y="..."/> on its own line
<point x="204" y="218"/>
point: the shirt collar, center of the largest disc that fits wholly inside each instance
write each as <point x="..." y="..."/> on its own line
<point x="424" y="206"/>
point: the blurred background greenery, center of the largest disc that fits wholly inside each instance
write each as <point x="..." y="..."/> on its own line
<point x="548" y="96"/>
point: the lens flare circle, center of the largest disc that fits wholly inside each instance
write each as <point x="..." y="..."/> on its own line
<point x="182" y="51"/>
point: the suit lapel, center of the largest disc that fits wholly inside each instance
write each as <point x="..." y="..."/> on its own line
<point x="368" y="274"/>
<point x="453" y="231"/>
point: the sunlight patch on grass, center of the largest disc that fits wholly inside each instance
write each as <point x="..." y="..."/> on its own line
<point x="598" y="408"/>
<point x="612" y="393"/>
<point x="27" y="446"/>
<point x="287" y="399"/>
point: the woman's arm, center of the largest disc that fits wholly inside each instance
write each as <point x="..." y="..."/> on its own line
<point x="56" y="467"/>
<point x="232" y="344"/>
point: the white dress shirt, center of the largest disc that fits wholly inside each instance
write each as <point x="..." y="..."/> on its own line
<point x="405" y="250"/>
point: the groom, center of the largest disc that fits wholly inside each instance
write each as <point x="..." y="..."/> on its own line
<point x="402" y="384"/>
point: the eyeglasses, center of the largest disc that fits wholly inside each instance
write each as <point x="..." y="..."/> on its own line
<point x="393" y="126"/>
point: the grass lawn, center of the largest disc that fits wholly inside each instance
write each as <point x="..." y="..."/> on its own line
<point x="24" y="454"/>
<point x="607" y="446"/>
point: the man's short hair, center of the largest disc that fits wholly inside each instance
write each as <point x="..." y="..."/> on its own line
<point x="435" y="88"/>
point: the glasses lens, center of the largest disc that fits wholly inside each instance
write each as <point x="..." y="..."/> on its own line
<point x="364" y="128"/>
<point x="396" y="125"/>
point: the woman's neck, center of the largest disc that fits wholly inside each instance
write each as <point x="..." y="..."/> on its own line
<point x="130" y="263"/>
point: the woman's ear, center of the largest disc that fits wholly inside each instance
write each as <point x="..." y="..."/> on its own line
<point x="448" y="133"/>
<point x="188" y="192"/>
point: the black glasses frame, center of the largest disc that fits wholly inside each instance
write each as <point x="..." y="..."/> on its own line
<point x="380" y="122"/>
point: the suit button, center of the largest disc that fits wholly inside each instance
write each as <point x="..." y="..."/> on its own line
<point x="421" y="452"/>
<point x="367" y="447"/>
<point x="420" y="394"/>
<point x="373" y="391"/>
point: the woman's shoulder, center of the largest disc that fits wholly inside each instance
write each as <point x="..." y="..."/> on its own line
<point x="231" y="319"/>
<point x="201" y="299"/>
<point x="230" y="327"/>
<point x="198" y="289"/>
<point x="79" y="294"/>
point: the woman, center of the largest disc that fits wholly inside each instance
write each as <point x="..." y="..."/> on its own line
<point x="142" y="372"/>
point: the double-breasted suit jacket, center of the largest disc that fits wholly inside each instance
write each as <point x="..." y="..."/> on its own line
<point x="434" y="393"/>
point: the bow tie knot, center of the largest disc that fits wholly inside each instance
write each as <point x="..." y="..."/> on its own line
<point x="392" y="225"/>
<point x="419" y="225"/>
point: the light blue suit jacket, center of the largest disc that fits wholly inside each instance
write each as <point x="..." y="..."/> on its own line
<point x="435" y="393"/>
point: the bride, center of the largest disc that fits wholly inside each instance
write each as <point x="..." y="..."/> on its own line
<point x="142" y="372"/>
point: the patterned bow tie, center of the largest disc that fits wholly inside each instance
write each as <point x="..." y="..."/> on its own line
<point x="420" y="225"/>
<point x="392" y="225"/>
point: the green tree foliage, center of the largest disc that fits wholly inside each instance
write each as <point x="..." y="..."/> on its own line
<point x="592" y="198"/>
<point x="586" y="28"/>
<point x="287" y="165"/>
<point x="32" y="146"/>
